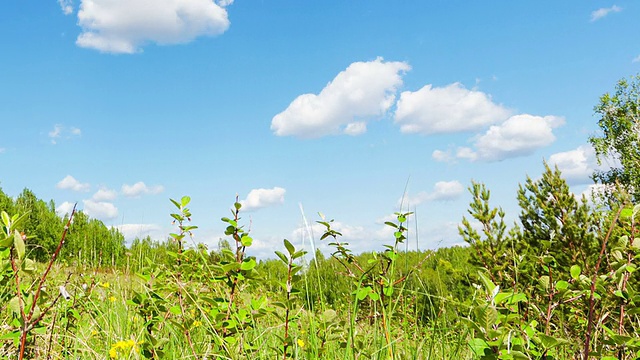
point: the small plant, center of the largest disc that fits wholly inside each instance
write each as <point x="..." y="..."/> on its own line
<point x="30" y="303"/>
<point x="289" y="305"/>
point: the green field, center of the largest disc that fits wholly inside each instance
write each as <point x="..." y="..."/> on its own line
<point x="560" y="283"/>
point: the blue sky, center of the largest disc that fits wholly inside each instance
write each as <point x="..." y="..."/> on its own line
<point x="120" y="105"/>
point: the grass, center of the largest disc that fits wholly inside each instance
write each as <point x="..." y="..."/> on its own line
<point x="100" y="322"/>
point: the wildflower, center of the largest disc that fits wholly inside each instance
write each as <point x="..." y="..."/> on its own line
<point x="112" y="298"/>
<point x="64" y="293"/>
<point x="301" y="343"/>
<point x="105" y="285"/>
<point x="123" y="347"/>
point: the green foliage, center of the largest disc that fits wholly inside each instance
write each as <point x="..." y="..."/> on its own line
<point x="571" y="286"/>
<point x="620" y="138"/>
<point x="29" y="303"/>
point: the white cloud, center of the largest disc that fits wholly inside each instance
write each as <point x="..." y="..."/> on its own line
<point x="66" y="6"/>
<point x="636" y="59"/>
<point x="579" y="164"/>
<point x="441" y="156"/>
<point x="519" y="136"/>
<point x="448" y="109"/>
<point x="602" y="12"/>
<point x="64" y="208"/>
<point x="104" y="194"/>
<point x="595" y="193"/>
<point x="356" y="128"/>
<point x="59" y="131"/>
<point x="100" y="210"/>
<point x="132" y="231"/>
<point x="124" y="26"/>
<point x="360" y="238"/>
<point x="446" y="191"/>
<point x="70" y="183"/>
<point x="260" y="198"/>
<point x="442" y="191"/>
<point x="364" y="91"/>
<point x="140" y="188"/>
<point x="55" y="133"/>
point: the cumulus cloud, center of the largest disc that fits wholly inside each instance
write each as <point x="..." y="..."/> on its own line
<point x="66" y="6"/>
<point x="104" y="194"/>
<point x="132" y="231"/>
<point x="260" y="198"/>
<point x="579" y="164"/>
<point x="61" y="132"/>
<point x="448" y="109"/>
<point x="602" y="12"/>
<point x="441" y="156"/>
<point x="124" y="26"/>
<point x="64" y="208"/>
<point x="100" y="210"/>
<point x="519" y="136"/>
<point x="364" y="91"/>
<point x="140" y="188"/>
<point x="442" y="191"/>
<point x="70" y="183"/>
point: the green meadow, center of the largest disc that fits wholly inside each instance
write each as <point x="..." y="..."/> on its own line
<point x="559" y="283"/>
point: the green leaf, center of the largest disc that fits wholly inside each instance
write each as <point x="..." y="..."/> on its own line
<point x="175" y="310"/>
<point x="248" y="264"/>
<point x="175" y="203"/>
<point x="362" y="293"/>
<point x="575" y="272"/>
<point x="619" y="294"/>
<point x="14" y="305"/>
<point x="6" y="219"/>
<point x="28" y="266"/>
<point x="8" y="242"/>
<point x="329" y="315"/>
<point x="246" y="240"/>
<point x="185" y="201"/>
<point x="626" y="213"/>
<point x="18" y="242"/>
<point x="299" y="254"/>
<point x="544" y="282"/>
<point x="478" y="346"/>
<point x="290" y="248"/>
<point x="282" y="257"/>
<point x="636" y="210"/>
<point x="488" y="284"/>
<point x="562" y="285"/>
